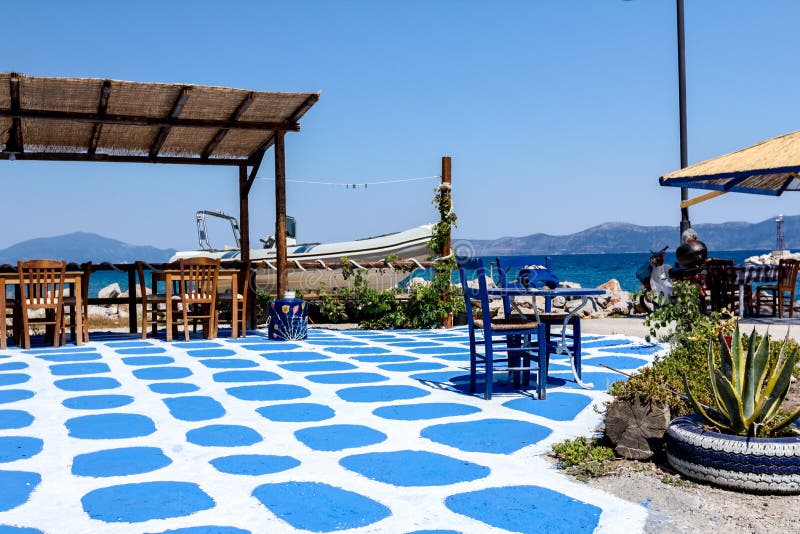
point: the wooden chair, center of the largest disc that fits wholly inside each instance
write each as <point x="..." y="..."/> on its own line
<point x="787" y="280"/>
<point x="41" y="284"/>
<point x="71" y="304"/>
<point x="721" y="282"/>
<point x="154" y="305"/>
<point x="240" y="293"/>
<point x="198" y="294"/>
<point x="9" y="313"/>
<point x="519" y="338"/>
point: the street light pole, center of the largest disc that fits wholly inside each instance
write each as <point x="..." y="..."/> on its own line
<point x="685" y="222"/>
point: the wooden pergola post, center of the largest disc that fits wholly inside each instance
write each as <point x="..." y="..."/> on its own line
<point x="280" y="214"/>
<point x="446" y="198"/>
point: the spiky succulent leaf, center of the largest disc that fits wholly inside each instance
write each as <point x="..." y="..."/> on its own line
<point x="738" y="361"/>
<point x="717" y="397"/>
<point x="791" y="418"/>
<point x="760" y="361"/>
<point x="725" y="358"/>
<point x="732" y="402"/>
<point x="706" y="414"/>
<point x="775" y="390"/>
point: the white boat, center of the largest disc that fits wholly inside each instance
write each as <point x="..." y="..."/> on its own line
<point x="407" y="244"/>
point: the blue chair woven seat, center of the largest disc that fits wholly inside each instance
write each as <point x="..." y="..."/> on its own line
<point x="512" y="344"/>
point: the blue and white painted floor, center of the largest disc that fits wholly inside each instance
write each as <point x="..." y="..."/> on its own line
<point x="350" y="431"/>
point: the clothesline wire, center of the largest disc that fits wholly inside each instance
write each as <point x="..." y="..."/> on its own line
<point x="355" y="183"/>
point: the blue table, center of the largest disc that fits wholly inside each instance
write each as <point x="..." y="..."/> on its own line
<point x="567" y="292"/>
<point x="750" y="273"/>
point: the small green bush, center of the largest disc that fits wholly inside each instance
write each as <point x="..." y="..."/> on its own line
<point x="583" y="457"/>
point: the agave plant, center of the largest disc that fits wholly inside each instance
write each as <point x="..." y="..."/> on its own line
<point x="748" y="387"/>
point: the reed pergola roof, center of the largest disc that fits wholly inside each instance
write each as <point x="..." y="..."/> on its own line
<point x="770" y="167"/>
<point x="87" y="119"/>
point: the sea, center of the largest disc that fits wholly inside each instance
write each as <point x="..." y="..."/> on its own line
<point x="588" y="270"/>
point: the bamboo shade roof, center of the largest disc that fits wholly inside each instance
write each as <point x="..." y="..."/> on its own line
<point x="767" y="168"/>
<point x="87" y="119"/>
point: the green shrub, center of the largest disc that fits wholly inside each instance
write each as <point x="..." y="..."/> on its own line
<point x="583" y="457"/>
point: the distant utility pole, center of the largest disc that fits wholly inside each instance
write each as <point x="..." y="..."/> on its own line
<point x="685" y="222"/>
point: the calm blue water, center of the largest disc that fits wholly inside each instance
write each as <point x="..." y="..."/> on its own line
<point x="589" y="270"/>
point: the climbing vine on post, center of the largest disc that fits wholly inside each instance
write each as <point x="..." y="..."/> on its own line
<point x="440" y="245"/>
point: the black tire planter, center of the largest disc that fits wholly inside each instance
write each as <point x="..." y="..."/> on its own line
<point x="764" y="465"/>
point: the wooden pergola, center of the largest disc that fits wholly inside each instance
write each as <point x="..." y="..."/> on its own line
<point x="87" y="119"/>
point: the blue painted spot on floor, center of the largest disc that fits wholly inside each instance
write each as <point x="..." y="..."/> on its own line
<point x="68" y="369"/>
<point x="269" y="392"/>
<point x="357" y="350"/>
<point x="211" y="353"/>
<point x="336" y="342"/>
<point x="296" y="413"/>
<point x="439" y="350"/>
<point x="619" y="362"/>
<point x="148" y="360"/>
<point x="14" y="395"/>
<point x="8" y="379"/>
<point x="196" y="344"/>
<point x="633" y="349"/>
<point x="270" y="346"/>
<point x="77" y="357"/>
<point x="414" y="468"/>
<point x="246" y="376"/>
<point x="161" y="373"/>
<point x="409" y="344"/>
<point x="600" y="380"/>
<point x="128" y="344"/>
<point x="223" y="436"/>
<point x="8" y="529"/>
<point x="97" y="402"/>
<point x="338" y="437"/>
<point x="141" y="350"/>
<point x="207" y="529"/>
<point x="13" y="448"/>
<point x="110" y="426"/>
<point x="527" y="509"/>
<point x="385" y="359"/>
<point x="441" y="377"/>
<point x="229" y="363"/>
<point x="13" y="366"/>
<point x="461" y="357"/>
<point x="381" y="393"/>
<point x="558" y="406"/>
<point x="412" y="366"/>
<point x="300" y="356"/>
<point x="16" y="487"/>
<point x="431" y="410"/>
<point x="319" y="507"/>
<point x="172" y="387"/>
<point x="90" y="383"/>
<point x="134" y="503"/>
<point x="495" y="436"/>
<point x="347" y="378"/>
<point x="119" y="462"/>
<point x="194" y="408"/>
<point x="604" y="343"/>
<point x="254" y="464"/>
<point x="325" y="365"/>
<point x="14" y="419"/>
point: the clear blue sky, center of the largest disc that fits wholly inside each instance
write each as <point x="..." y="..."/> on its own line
<point x="558" y="114"/>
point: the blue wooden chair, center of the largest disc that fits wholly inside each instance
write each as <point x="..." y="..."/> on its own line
<point x="520" y="339"/>
<point x="515" y="272"/>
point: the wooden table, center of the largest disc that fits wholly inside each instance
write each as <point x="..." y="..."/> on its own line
<point x="71" y="278"/>
<point x="170" y="276"/>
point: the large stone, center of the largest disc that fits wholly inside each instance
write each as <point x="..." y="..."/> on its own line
<point x="611" y="286"/>
<point x="110" y="291"/>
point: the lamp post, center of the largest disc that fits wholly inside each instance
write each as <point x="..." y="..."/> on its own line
<point x="685" y="222"/>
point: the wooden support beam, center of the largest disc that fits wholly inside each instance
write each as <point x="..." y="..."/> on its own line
<point x="280" y="214"/>
<point x="305" y="106"/>
<point x="244" y="214"/>
<point x="446" y="199"/>
<point x="222" y="132"/>
<point x="15" y="142"/>
<point x="135" y="120"/>
<point x="109" y="158"/>
<point x="102" y="105"/>
<point x="261" y="149"/>
<point x="254" y="171"/>
<point x="701" y="198"/>
<point x="174" y="113"/>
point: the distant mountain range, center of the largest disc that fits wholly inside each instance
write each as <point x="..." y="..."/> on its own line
<point x="602" y="239"/>
<point x="82" y="246"/>
<point x="624" y="237"/>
